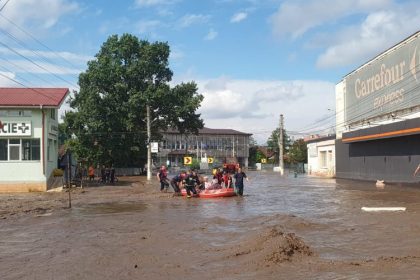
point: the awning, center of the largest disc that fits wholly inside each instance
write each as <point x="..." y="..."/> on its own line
<point x="396" y="129"/>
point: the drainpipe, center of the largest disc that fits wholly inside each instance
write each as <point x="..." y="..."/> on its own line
<point x="43" y="139"/>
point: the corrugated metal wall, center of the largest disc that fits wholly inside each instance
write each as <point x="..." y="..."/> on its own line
<point x="392" y="159"/>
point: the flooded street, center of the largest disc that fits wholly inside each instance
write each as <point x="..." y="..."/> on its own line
<point x="283" y="228"/>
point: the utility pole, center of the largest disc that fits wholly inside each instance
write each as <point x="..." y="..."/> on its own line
<point x="281" y="163"/>
<point x="149" y="148"/>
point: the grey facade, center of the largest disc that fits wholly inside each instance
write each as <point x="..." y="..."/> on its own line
<point x="219" y="144"/>
<point x="389" y="152"/>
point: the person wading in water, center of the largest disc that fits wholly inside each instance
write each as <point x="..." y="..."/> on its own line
<point x="239" y="181"/>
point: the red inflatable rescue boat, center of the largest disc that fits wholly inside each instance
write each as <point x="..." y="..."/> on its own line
<point x="213" y="193"/>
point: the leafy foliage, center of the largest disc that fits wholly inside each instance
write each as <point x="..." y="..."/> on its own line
<point x="298" y="152"/>
<point x="126" y="75"/>
<point x="273" y="143"/>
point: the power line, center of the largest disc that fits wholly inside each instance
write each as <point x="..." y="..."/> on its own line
<point x="21" y="68"/>
<point x="1" y="9"/>
<point x="26" y="87"/>
<point x="35" y="63"/>
<point x="36" y="40"/>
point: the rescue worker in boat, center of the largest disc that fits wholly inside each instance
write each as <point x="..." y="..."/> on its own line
<point x="190" y="182"/>
<point x="213" y="185"/>
<point x="239" y="181"/>
<point x="162" y="176"/>
<point x="219" y="176"/>
<point x="227" y="180"/>
<point x="199" y="179"/>
<point x="176" y="182"/>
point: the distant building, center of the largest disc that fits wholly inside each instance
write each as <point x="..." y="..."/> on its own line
<point x="28" y="137"/>
<point x="218" y="145"/>
<point x="321" y="156"/>
<point x="378" y="116"/>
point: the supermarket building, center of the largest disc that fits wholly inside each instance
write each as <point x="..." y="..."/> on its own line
<point x="29" y="137"/>
<point x="378" y="117"/>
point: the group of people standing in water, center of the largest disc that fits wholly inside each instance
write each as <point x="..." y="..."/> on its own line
<point x="194" y="183"/>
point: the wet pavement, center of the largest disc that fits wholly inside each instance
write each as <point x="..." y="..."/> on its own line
<point x="137" y="233"/>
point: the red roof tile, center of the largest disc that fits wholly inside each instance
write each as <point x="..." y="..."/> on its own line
<point x="30" y="97"/>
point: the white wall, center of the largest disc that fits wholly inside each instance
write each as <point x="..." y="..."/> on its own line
<point x="24" y="171"/>
<point x="315" y="166"/>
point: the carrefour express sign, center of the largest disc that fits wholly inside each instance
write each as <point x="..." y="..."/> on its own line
<point x="14" y="128"/>
<point x="385" y="85"/>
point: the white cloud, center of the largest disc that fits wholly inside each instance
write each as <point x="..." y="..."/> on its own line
<point x="379" y="31"/>
<point x="145" y="26"/>
<point x="23" y="66"/>
<point x="190" y="19"/>
<point x="255" y="105"/>
<point x="298" y="16"/>
<point x="149" y="3"/>
<point x="36" y="14"/>
<point x="238" y="17"/>
<point x="211" y="35"/>
<point x="362" y="29"/>
<point x="71" y="57"/>
<point x="6" y="79"/>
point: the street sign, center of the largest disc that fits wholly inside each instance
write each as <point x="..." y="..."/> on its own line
<point x="263" y="160"/>
<point x="210" y="160"/>
<point x="187" y="160"/>
<point x="155" y="147"/>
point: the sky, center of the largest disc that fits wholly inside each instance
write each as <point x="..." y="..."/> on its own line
<point x="252" y="59"/>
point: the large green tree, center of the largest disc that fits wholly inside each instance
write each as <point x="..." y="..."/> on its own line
<point x="273" y="143"/>
<point x="109" y="118"/>
<point x="298" y="152"/>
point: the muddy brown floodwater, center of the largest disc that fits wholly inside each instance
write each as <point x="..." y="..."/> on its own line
<point x="283" y="228"/>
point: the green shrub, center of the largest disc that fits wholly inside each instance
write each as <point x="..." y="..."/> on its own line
<point x="195" y="165"/>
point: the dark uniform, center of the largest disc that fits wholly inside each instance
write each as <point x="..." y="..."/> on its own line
<point x="175" y="181"/>
<point x="190" y="182"/>
<point x="239" y="182"/>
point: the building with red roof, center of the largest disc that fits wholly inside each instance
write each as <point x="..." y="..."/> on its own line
<point x="29" y="137"/>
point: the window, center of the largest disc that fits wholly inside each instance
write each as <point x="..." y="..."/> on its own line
<point x="18" y="113"/>
<point x="3" y="149"/>
<point x="14" y="149"/>
<point x="52" y="112"/>
<point x="17" y="149"/>
<point x="3" y="113"/>
<point x="15" y="113"/>
<point x="31" y="149"/>
<point x="323" y="159"/>
<point x="330" y="159"/>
